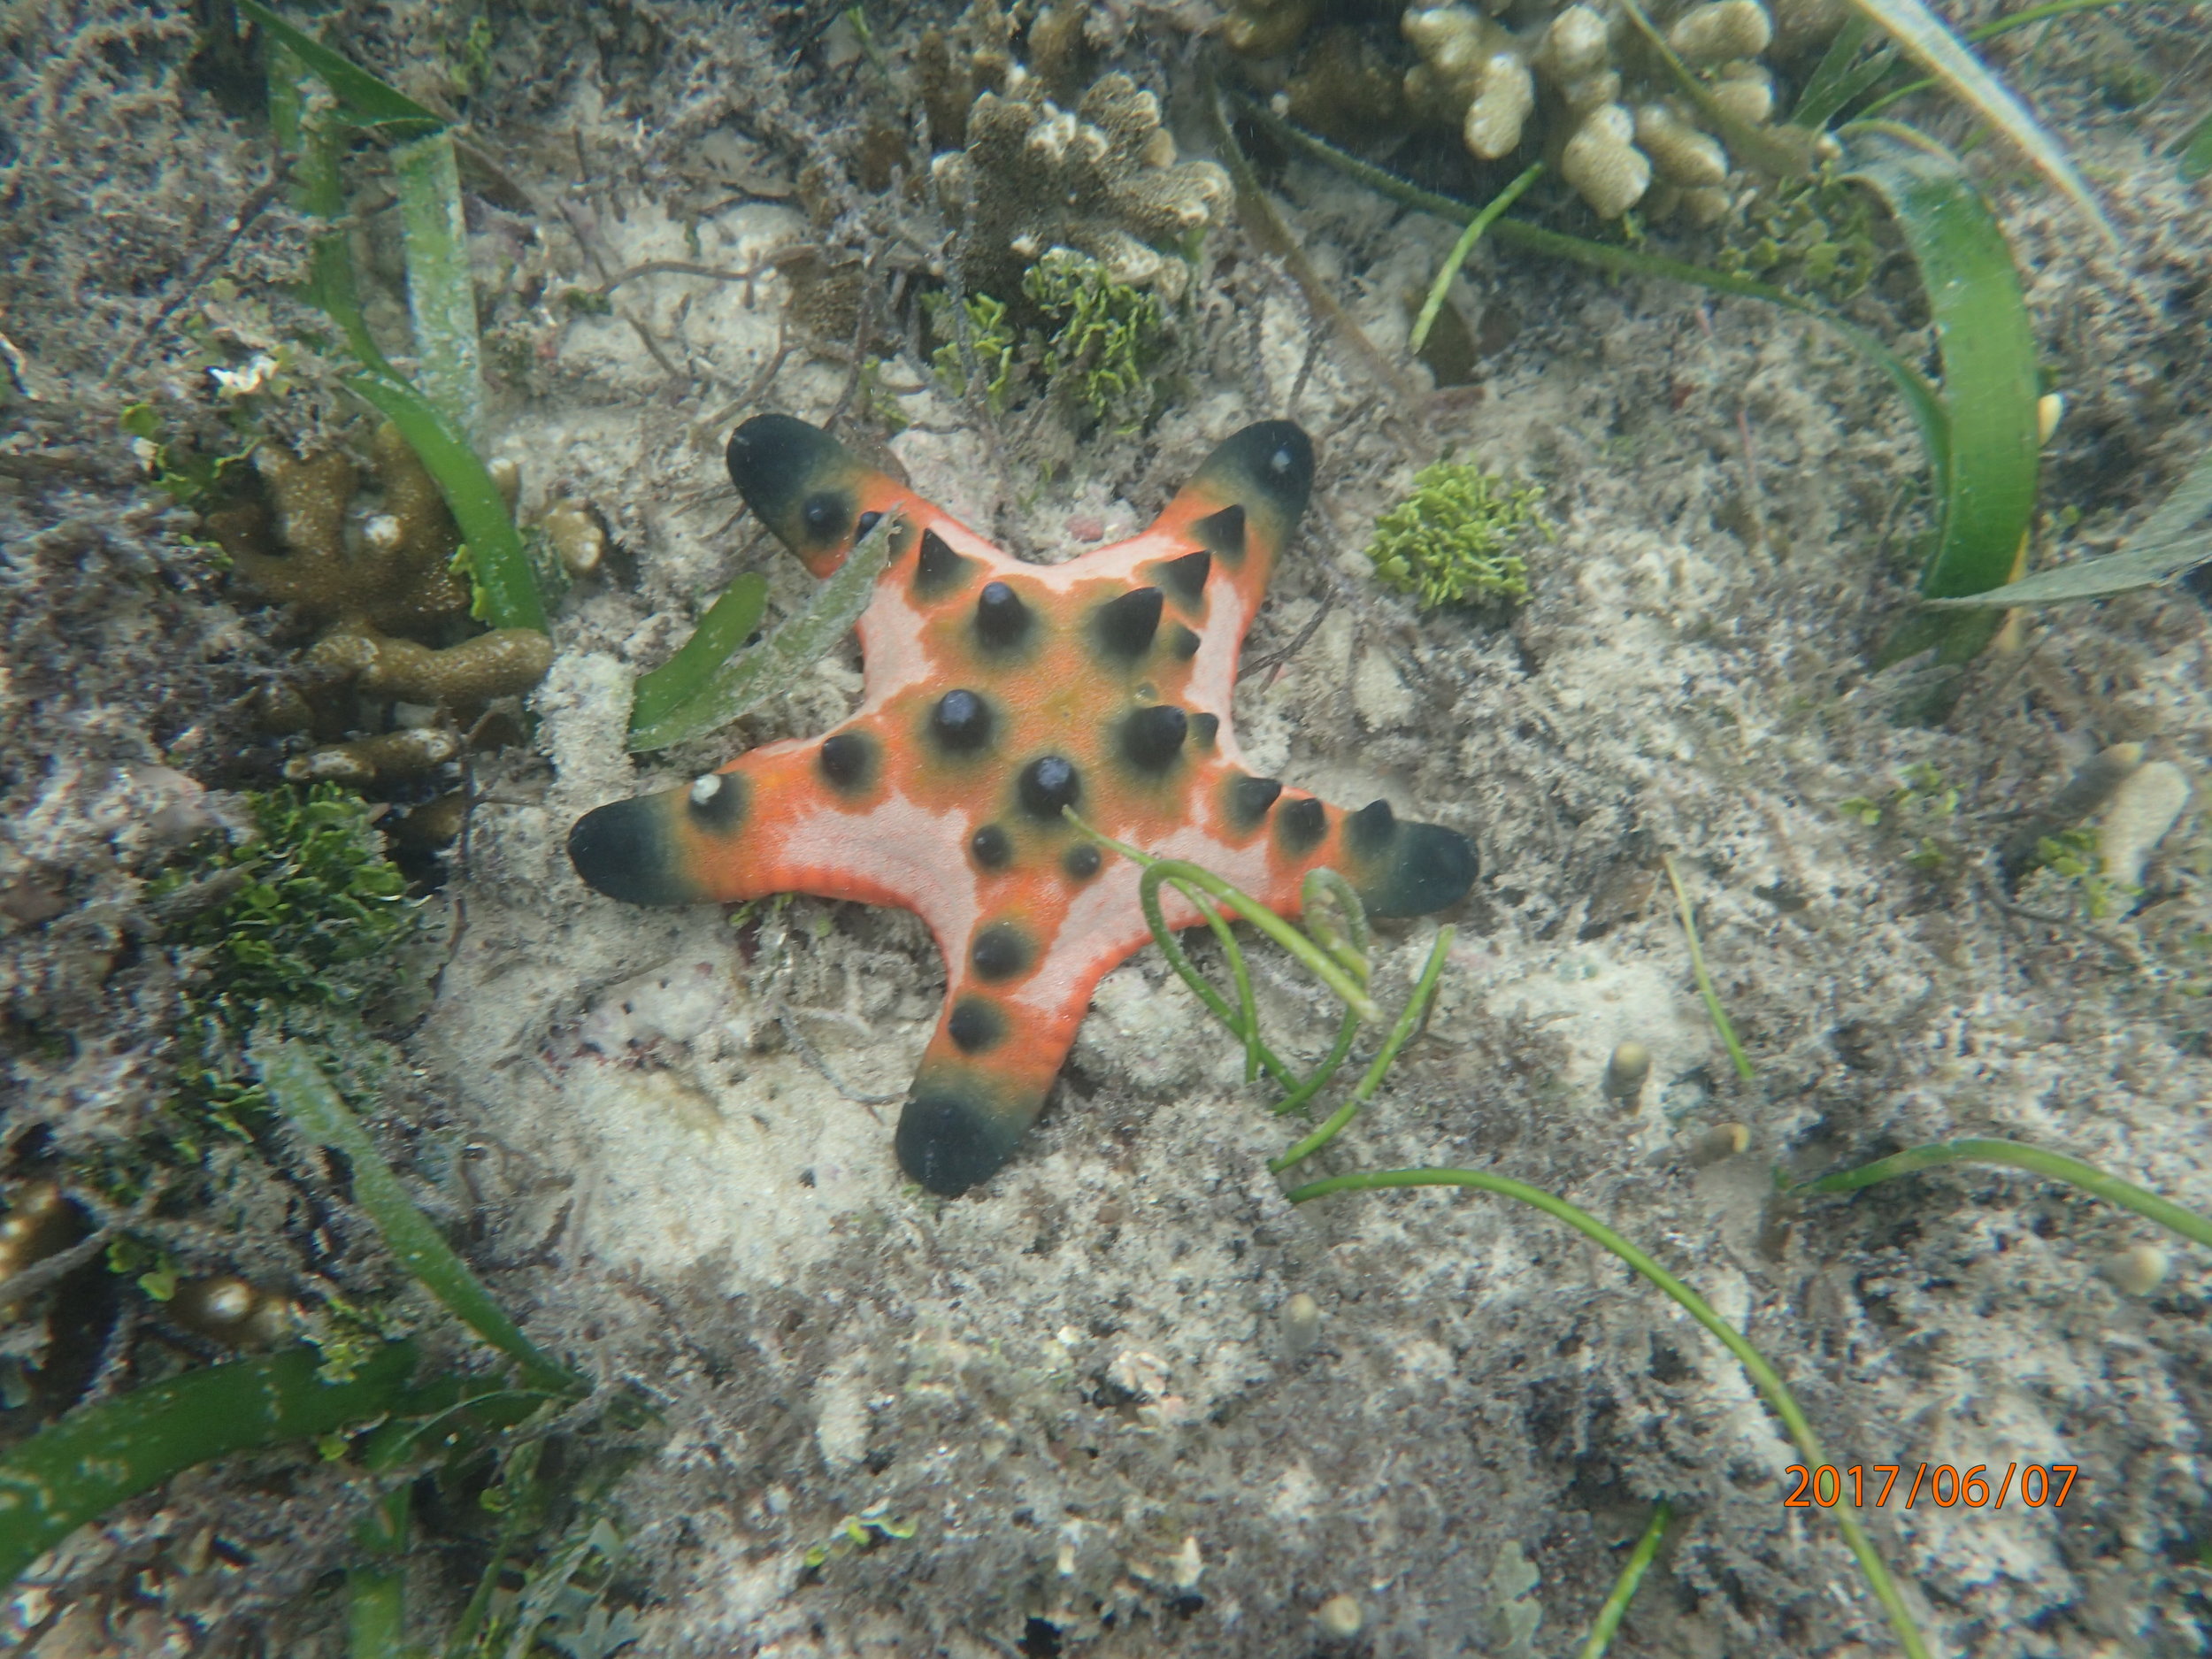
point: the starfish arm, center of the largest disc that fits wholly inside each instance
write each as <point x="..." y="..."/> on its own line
<point x="1012" y="1011"/>
<point x="1397" y="867"/>
<point x="819" y="498"/>
<point x="787" y="818"/>
<point x="1242" y="507"/>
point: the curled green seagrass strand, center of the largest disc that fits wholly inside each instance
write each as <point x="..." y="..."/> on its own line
<point x="772" y="666"/>
<point x="100" y="1455"/>
<point x="1409" y="1020"/>
<point x="2053" y="1165"/>
<point x="1350" y="988"/>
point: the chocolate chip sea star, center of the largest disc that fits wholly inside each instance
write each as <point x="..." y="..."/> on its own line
<point x="996" y="694"/>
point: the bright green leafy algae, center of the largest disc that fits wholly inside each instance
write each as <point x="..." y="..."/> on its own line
<point x="1105" y="336"/>
<point x="991" y="339"/>
<point x="1456" y="539"/>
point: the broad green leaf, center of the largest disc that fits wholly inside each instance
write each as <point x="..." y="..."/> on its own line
<point x="2164" y="547"/>
<point x="772" y="666"/>
<point x="495" y="549"/>
<point x="729" y="622"/>
<point x="363" y="99"/>
<point x="1987" y="485"/>
<point x="1928" y="42"/>
<point x="99" y="1454"/>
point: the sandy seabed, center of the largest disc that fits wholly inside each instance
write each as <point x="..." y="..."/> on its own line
<point x="1076" y="1385"/>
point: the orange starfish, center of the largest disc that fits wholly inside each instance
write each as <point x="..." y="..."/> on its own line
<point x="996" y="694"/>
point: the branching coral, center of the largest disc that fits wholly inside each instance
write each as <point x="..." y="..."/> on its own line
<point x="1632" y="119"/>
<point x="1102" y="179"/>
<point x="1455" y="538"/>
<point x="368" y="581"/>
<point x="1618" y="138"/>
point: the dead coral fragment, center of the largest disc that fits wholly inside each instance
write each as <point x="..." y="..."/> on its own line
<point x="389" y="758"/>
<point x="1102" y="179"/>
<point x="504" y="663"/>
<point x="391" y="573"/>
<point x="1455" y="538"/>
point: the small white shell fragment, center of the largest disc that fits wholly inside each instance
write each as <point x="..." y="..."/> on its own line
<point x="2138" y="1270"/>
<point x="705" y="789"/>
<point x="576" y="537"/>
<point x="1625" y="1073"/>
<point x="1189" y="1565"/>
<point x="1720" y="1142"/>
<point x="1339" y="1616"/>
<point x="1137" y="1373"/>
<point x="2144" y="808"/>
<point x="2050" y="409"/>
<point x="1301" y="1324"/>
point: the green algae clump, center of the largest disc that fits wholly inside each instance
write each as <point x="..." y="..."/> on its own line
<point x="305" y="920"/>
<point x="1456" y="539"/>
<point x="1106" y="337"/>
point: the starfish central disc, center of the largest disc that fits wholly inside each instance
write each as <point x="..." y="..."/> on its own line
<point x="996" y="694"/>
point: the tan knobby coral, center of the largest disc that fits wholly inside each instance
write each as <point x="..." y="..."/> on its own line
<point x="1102" y="179"/>
<point x="1626" y="132"/>
<point x="393" y="613"/>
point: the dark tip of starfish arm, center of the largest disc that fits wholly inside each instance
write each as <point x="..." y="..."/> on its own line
<point x="949" y="1139"/>
<point x="1267" y="472"/>
<point x="796" y="479"/>
<point x="1404" y="869"/>
<point x="624" y="850"/>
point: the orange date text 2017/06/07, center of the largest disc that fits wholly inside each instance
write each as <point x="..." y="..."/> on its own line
<point x="1980" y="1487"/>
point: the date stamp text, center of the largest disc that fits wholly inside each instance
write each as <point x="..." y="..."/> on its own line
<point x="1943" y="1485"/>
